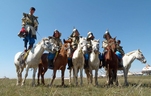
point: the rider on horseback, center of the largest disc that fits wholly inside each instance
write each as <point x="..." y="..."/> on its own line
<point x="75" y="40"/>
<point x="29" y="28"/>
<point x="52" y="56"/>
<point x="105" y="45"/>
<point x="90" y="37"/>
<point x="120" y="52"/>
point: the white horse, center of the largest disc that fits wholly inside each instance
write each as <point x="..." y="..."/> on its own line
<point x="78" y="61"/>
<point x="33" y="59"/>
<point x="94" y="62"/>
<point x="128" y="58"/>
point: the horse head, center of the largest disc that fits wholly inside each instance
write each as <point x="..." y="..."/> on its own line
<point x="48" y="46"/>
<point x="83" y="44"/>
<point x="112" y="44"/>
<point x="95" y="45"/>
<point x="67" y="46"/>
<point x="139" y="56"/>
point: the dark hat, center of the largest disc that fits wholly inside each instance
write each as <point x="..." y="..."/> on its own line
<point x="32" y="8"/>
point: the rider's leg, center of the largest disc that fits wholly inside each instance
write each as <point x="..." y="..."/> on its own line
<point x="31" y="42"/>
<point x="50" y="64"/>
<point x="50" y="60"/>
<point x="86" y="60"/>
<point x="86" y="64"/>
<point x="120" y="64"/>
<point x="100" y="58"/>
<point x="25" y="44"/>
<point x="69" y="63"/>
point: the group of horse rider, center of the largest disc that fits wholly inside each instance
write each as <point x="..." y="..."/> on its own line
<point x="28" y="33"/>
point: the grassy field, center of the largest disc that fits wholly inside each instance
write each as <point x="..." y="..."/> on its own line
<point x="138" y="86"/>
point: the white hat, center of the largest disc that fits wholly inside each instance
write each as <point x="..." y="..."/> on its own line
<point x="89" y="33"/>
<point x="75" y="30"/>
<point x="106" y="31"/>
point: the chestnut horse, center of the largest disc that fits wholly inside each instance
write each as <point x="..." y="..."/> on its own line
<point x="59" y="64"/>
<point x="111" y="60"/>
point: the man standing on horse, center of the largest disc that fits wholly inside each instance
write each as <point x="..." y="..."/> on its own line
<point x="29" y="28"/>
<point x="90" y="37"/>
<point x="52" y="56"/>
<point x="75" y="40"/>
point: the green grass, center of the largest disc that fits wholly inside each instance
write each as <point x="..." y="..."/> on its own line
<point x="138" y="86"/>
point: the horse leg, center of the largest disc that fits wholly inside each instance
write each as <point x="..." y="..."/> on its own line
<point x="39" y="73"/>
<point x="81" y="76"/>
<point x="19" y="71"/>
<point x="91" y="76"/>
<point x="88" y="75"/>
<point x="26" y="74"/>
<point x="42" y="75"/>
<point x="34" y="74"/>
<point x="54" y="76"/>
<point x="70" y="76"/>
<point x="107" y="76"/>
<point x="125" y="75"/>
<point x="62" y="76"/>
<point x="75" y="76"/>
<point x="115" y="80"/>
<point x="18" y="76"/>
<point x="96" y="77"/>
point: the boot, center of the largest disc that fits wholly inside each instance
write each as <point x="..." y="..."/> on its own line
<point x="86" y="64"/>
<point x="100" y="64"/>
<point x="69" y="64"/>
<point x="103" y="62"/>
<point x="30" y="47"/>
<point x="50" y="64"/>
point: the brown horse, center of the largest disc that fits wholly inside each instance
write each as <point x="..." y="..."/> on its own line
<point x="111" y="60"/>
<point x="59" y="63"/>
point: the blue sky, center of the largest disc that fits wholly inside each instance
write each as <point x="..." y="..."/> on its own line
<point x="129" y="20"/>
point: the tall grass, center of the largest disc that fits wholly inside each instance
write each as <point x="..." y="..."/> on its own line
<point x="138" y="86"/>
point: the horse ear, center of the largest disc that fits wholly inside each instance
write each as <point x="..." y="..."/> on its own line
<point x="98" y="40"/>
<point x="50" y="37"/>
<point x="64" y="40"/>
<point x="114" y="38"/>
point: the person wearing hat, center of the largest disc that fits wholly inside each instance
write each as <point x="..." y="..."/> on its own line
<point x="28" y="32"/>
<point x="90" y="37"/>
<point x="29" y="28"/>
<point x="119" y="52"/>
<point x="75" y="40"/>
<point x="52" y="56"/>
<point x="105" y="44"/>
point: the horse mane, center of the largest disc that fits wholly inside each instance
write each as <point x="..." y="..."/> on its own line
<point x="129" y="53"/>
<point x="41" y="41"/>
<point x="95" y="40"/>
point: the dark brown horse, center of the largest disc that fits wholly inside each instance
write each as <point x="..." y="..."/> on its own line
<point x="111" y="60"/>
<point x="59" y="63"/>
